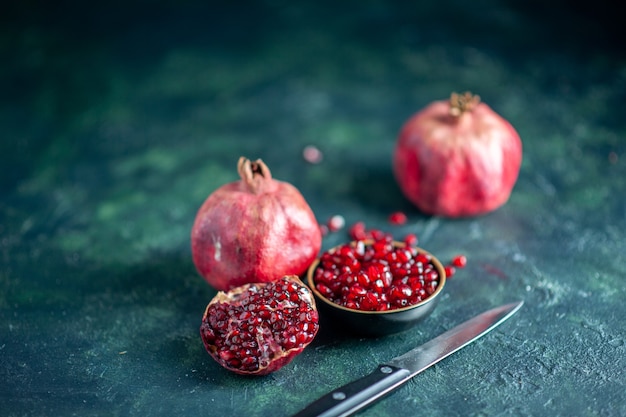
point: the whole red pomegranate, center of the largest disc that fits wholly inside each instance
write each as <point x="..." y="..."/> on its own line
<point x="258" y="328"/>
<point x="457" y="158"/>
<point x="256" y="229"/>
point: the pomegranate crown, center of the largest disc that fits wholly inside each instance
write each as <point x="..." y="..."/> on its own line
<point x="461" y="103"/>
<point x="255" y="175"/>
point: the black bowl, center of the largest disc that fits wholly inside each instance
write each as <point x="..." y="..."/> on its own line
<point x="378" y="323"/>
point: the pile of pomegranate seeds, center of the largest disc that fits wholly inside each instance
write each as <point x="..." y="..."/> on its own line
<point x="377" y="276"/>
<point x="258" y="329"/>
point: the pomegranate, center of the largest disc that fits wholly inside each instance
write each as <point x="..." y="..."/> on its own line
<point x="256" y="229"/>
<point x="377" y="275"/>
<point x="258" y="328"/>
<point x="457" y="158"/>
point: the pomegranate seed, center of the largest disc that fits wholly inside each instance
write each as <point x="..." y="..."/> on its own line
<point x="357" y="231"/>
<point x="410" y="239"/>
<point x="400" y="292"/>
<point x="397" y="218"/>
<point x="363" y="279"/>
<point x="370" y="302"/>
<point x="450" y="270"/>
<point x="431" y="287"/>
<point x="403" y="255"/>
<point x="459" y="261"/>
<point x="381" y="247"/>
<point x="356" y="290"/>
<point x="378" y="286"/>
<point x="312" y="154"/>
<point x="379" y="235"/>
<point x="373" y="272"/>
<point x="422" y="259"/>
<point x="383" y="306"/>
<point x="336" y="223"/>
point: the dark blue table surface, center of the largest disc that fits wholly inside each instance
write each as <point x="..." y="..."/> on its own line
<point x="117" y="119"/>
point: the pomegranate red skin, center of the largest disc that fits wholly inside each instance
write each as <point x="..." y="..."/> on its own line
<point x="257" y="229"/>
<point x="457" y="163"/>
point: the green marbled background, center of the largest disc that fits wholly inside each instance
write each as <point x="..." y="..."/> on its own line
<point x="118" y="118"/>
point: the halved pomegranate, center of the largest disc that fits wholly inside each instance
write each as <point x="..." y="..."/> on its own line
<point x="258" y="328"/>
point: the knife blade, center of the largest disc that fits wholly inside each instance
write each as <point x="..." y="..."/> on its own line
<point x="360" y="393"/>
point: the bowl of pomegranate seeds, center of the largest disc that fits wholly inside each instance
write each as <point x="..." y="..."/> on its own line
<point x="377" y="287"/>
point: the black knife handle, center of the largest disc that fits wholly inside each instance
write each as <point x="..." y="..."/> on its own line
<point x="358" y="394"/>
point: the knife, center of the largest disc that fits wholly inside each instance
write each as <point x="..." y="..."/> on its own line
<point x="358" y="394"/>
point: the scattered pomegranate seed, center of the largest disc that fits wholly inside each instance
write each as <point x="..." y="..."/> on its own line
<point x="375" y="277"/>
<point x="459" y="261"/>
<point x="312" y="154"/>
<point x="410" y="239"/>
<point x="336" y="222"/>
<point x="450" y="271"/>
<point x="397" y="218"/>
<point x="323" y="229"/>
